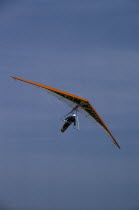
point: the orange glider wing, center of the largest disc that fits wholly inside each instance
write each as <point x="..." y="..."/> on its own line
<point x="83" y="105"/>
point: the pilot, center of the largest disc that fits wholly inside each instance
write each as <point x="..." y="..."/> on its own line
<point x="71" y="119"/>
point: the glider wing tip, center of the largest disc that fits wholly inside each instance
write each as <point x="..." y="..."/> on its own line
<point x="13" y="77"/>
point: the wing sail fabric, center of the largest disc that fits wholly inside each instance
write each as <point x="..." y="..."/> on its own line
<point x="83" y="105"/>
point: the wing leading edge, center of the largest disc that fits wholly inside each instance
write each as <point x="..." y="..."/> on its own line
<point x="83" y="105"/>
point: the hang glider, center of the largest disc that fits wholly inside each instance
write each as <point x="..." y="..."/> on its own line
<point x="76" y="103"/>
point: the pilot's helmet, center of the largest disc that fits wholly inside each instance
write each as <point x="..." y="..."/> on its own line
<point x="74" y="115"/>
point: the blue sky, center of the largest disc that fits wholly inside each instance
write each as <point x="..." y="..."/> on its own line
<point x="88" y="48"/>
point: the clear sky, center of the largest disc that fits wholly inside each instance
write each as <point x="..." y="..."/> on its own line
<point x="89" y="48"/>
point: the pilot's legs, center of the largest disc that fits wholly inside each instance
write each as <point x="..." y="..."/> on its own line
<point x="65" y="126"/>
